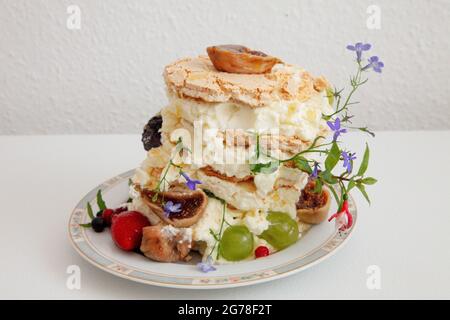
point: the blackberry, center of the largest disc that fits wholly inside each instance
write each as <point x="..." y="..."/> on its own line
<point x="151" y="137"/>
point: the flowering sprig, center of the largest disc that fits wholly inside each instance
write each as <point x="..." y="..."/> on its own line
<point x="341" y="183"/>
<point x="336" y="128"/>
<point x="190" y="183"/>
<point x="375" y="64"/>
<point x="342" y="103"/>
<point x="348" y="158"/>
<point x="359" y="47"/>
<point x="170" y="207"/>
<point x="206" y="266"/>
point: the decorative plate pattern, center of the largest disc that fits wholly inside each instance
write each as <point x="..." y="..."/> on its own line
<point x="100" y="251"/>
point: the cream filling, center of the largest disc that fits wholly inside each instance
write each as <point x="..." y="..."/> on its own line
<point x="278" y="192"/>
<point x="302" y="120"/>
<point x="291" y="118"/>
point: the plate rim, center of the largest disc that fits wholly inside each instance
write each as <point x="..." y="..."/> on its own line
<point x="340" y="238"/>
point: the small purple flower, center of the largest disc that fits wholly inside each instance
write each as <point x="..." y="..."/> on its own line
<point x="191" y="184"/>
<point x="171" y="207"/>
<point x="359" y="47"/>
<point x="375" y="64"/>
<point x="315" y="171"/>
<point x="206" y="266"/>
<point x="348" y="158"/>
<point x="336" y="127"/>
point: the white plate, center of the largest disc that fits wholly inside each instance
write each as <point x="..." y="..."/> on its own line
<point x="319" y="243"/>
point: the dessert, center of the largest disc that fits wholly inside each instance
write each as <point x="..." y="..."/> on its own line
<point x="230" y="102"/>
<point x="239" y="163"/>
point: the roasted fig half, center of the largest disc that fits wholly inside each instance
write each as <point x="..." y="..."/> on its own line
<point x="239" y="59"/>
<point x="190" y="204"/>
<point x="313" y="207"/>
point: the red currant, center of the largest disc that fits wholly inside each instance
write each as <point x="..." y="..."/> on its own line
<point x="107" y="215"/>
<point x="261" y="251"/>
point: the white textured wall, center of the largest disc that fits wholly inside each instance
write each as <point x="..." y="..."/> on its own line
<point x="106" y="77"/>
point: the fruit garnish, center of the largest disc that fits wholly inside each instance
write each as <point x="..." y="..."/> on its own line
<point x="151" y="137"/>
<point x="313" y="207"/>
<point x="191" y="203"/>
<point x="126" y="229"/>
<point x="98" y="224"/>
<point x="239" y="59"/>
<point x="282" y="232"/>
<point x="165" y="244"/>
<point x="107" y="216"/>
<point x="262" y="251"/>
<point x="236" y="243"/>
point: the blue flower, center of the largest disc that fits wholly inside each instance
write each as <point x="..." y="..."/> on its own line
<point x="348" y="158"/>
<point x="359" y="47"/>
<point x="336" y="128"/>
<point x="171" y="207"/>
<point x="191" y="184"/>
<point x="315" y="171"/>
<point x="375" y="64"/>
<point x="206" y="266"/>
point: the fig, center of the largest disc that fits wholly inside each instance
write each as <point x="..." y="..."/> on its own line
<point x="313" y="207"/>
<point x="192" y="203"/>
<point x="239" y="59"/>
<point x="151" y="137"/>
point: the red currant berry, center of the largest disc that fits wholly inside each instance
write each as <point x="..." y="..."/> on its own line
<point x="107" y="216"/>
<point x="261" y="251"/>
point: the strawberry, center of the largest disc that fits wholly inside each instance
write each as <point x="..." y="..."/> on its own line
<point x="126" y="229"/>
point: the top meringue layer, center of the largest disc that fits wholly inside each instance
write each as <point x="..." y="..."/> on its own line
<point x="197" y="78"/>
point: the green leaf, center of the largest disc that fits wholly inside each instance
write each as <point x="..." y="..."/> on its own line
<point x="366" y="130"/>
<point x="364" y="162"/>
<point x="328" y="177"/>
<point x="101" y="204"/>
<point x="89" y="211"/>
<point x="257" y="146"/>
<point x="267" y="168"/>
<point x="351" y="185"/>
<point x="85" y="225"/>
<point x="215" y="236"/>
<point x="369" y="181"/>
<point x="318" y="186"/>
<point x="130" y="182"/>
<point x="363" y="191"/>
<point x="333" y="157"/>
<point x="303" y="164"/>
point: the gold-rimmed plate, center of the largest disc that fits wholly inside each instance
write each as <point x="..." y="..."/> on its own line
<point x="319" y="243"/>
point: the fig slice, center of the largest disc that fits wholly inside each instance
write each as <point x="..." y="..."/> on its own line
<point x="239" y="59"/>
<point x="165" y="244"/>
<point x="192" y="204"/>
<point x="313" y="207"/>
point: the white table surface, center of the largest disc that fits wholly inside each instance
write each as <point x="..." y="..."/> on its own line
<point x="406" y="231"/>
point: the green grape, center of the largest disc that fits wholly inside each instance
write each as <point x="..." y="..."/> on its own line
<point x="282" y="232"/>
<point x="236" y="243"/>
